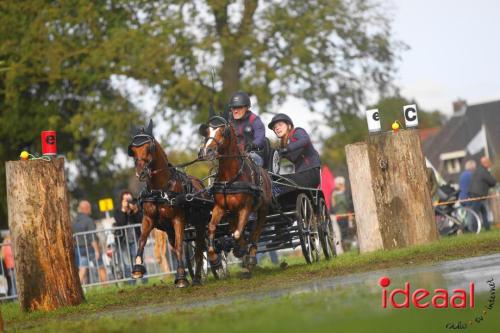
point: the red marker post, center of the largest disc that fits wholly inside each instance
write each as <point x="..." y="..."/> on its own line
<point x="49" y="143"/>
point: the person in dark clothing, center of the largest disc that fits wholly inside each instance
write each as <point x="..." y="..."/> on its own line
<point x="87" y="246"/>
<point x="296" y="146"/>
<point x="249" y="128"/>
<point x="127" y="238"/>
<point x="480" y="184"/>
<point x="465" y="179"/>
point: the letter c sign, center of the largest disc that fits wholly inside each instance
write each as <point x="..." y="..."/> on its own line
<point x="373" y="120"/>
<point x="410" y="114"/>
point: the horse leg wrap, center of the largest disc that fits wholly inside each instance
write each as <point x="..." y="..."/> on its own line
<point x="211" y="243"/>
<point x="252" y="246"/>
<point x="217" y="262"/>
<point x="138" y="271"/>
<point x="180" y="279"/>
<point x="180" y="275"/>
<point x="238" y="251"/>
<point x="249" y="262"/>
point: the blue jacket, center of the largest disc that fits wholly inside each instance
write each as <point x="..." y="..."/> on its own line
<point x="258" y="133"/>
<point x="301" y="151"/>
<point x="464" y="183"/>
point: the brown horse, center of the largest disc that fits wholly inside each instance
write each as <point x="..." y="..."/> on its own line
<point x="240" y="188"/>
<point x="163" y="203"/>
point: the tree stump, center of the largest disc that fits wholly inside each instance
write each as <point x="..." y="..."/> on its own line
<point x="391" y="196"/>
<point x="39" y="222"/>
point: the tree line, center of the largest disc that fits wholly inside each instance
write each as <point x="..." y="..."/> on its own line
<point x="59" y="61"/>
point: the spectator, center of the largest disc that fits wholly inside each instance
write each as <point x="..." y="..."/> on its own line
<point x="126" y="215"/>
<point x="87" y="247"/>
<point x="465" y="179"/>
<point x="273" y="255"/>
<point x="8" y="260"/>
<point x="480" y="184"/>
<point x="160" y="250"/>
<point x="340" y="205"/>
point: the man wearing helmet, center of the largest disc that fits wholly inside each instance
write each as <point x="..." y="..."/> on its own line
<point x="249" y="128"/>
<point x="296" y="146"/>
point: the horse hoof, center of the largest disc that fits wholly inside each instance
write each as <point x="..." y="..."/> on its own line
<point x="196" y="282"/>
<point x="220" y="274"/>
<point x="245" y="274"/>
<point x="138" y="271"/>
<point x="182" y="283"/>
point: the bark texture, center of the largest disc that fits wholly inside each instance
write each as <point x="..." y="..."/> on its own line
<point x="39" y="221"/>
<point x="390" y="191"/>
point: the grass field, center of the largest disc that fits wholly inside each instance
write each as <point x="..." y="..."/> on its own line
<point x="334" y="310"/>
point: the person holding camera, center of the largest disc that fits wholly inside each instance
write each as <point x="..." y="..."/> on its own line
<point x="127" y="214"/>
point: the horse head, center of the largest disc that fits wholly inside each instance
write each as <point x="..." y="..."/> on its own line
<point x="143" y="150"/>
<point x="218" y="134"/>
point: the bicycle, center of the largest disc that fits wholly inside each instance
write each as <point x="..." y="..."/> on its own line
<point x="454" y="218"/>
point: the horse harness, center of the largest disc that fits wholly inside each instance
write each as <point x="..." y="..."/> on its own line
<point x="241" y="187"/>
<point x="167" y="196"/>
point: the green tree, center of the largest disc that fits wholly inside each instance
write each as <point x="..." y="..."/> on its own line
<point x="353" y="128"/>
<point x="322" y="51"/>
<point x="57" y="61"/>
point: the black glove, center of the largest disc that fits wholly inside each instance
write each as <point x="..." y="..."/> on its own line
<point x="283" y="151"/>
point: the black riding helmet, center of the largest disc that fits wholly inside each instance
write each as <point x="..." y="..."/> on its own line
<point x="280" y="117"/>
<point x="239" y="99"/>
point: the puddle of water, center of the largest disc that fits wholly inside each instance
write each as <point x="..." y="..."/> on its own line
<point x="448" y="275"/>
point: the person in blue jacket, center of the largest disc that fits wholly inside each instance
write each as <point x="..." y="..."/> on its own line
<point x="465" y="178"/>
<point x="249" y="128"/>
<point x="296" y="146"/>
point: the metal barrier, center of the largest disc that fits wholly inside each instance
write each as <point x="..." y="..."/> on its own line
<point x="117" y="249"/>
<point x="114" y="264"/>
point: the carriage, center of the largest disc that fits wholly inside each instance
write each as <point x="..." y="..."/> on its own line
<point x="181" y="205"/>
<point x="297" y="218"/>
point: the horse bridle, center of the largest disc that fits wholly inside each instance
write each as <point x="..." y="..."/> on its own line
<point x="146" y="171"/>
<point x="224" y="123"/>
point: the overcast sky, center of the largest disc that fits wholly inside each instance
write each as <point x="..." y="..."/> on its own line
<point x="455" y="51"/>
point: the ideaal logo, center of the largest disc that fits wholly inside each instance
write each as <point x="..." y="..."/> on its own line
<point x="439" y="298"/>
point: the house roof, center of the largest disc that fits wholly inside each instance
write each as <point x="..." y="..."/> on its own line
<point x="427" y="133"/>
<point x="456" y="134"/>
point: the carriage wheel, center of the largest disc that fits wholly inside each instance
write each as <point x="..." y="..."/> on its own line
<point x="308" y="228"/>
<point x="189" y="255"/>
<point x="325" y="230"/>
<point x="275" y="162"/>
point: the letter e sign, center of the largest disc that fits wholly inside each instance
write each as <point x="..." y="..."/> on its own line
<point x="373" y="120"/>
